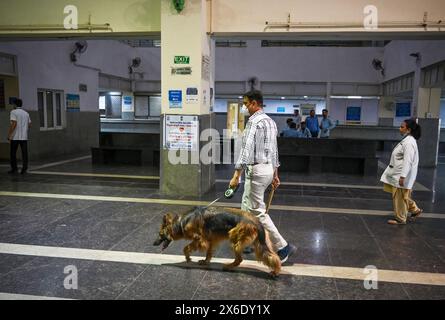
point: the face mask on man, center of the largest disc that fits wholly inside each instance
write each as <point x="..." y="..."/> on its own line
<point x="244" y="109"/>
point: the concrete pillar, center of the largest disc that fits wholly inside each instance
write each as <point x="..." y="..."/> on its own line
<point x="428" y="112"/>
<point x="328" y="95"/>
<point x="386" y="111"/>
<point x="416" y="86"/>
<point x="187" y="62"/>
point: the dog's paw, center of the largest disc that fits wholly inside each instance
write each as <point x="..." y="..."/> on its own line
<point x="228" y="267"/>
<point x="273" y="275"/>
<point x="203" y="262"/>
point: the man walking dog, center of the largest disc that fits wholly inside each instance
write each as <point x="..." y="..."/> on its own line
<point x="259" y="160"/>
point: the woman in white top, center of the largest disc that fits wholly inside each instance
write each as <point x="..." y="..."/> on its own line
<point x="401" y="173"/>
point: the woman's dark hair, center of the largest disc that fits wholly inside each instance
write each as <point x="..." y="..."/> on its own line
<point x="415" y="128"/>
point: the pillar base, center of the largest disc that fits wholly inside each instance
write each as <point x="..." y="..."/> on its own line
<point x="187" y="179"/>
<point x="428" y="143"/>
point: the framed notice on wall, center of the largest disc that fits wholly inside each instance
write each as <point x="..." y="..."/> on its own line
<point x="181" y="132"/>
<point x="305" y="109"/>
<point x="72" y="102"/>
<point x="403" y="109"/>
<point x="353" y="113"/>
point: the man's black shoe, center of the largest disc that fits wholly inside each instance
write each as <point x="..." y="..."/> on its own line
<point x="286" y="252"/>
<point x="12" y="171"/>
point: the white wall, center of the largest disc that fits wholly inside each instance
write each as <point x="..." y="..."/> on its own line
<point x="369" y="109"/>
<point x="249" y="16"/>
<point x="46" y="64"/>
<point x="309" y="64"/>
<point x="397" y="60"/>
<point x="272" y="105"/>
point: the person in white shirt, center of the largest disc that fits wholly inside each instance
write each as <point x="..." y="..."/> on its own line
<point x="401" y="173"/>
<point x="18" y="136"/>
<point x="297" y="118"/>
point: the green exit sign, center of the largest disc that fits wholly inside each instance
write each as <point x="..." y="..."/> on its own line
<point x="182" y="59"/>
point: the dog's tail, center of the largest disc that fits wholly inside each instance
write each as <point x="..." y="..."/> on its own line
<point x="263" y="251"/>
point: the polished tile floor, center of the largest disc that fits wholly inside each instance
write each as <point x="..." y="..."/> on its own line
<point x="103" y="224"/>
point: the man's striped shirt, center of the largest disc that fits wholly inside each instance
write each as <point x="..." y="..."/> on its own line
<point x="259" y="144"/>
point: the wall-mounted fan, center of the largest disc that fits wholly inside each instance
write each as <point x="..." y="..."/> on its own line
<point x="136" y="62"/>
<point x="80" y="47"/>
<point x="253" y="82"/>
<point x="378" y="65"/>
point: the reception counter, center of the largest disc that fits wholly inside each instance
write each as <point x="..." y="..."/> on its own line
<point x="345" y="156"/>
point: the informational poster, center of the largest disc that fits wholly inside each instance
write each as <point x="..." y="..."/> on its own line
<point x="305" y="109"/>
<point x="127" y="103"/>
<point x="72" y="102"/>
<point x="175" y="98"/>
<point x="353" y="113"/>
<point x="403" y="109"/>
<point x="181" y="132"/>
<point x="191" y="95"/>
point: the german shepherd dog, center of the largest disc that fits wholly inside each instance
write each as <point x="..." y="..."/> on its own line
<point x="206" y="227"/>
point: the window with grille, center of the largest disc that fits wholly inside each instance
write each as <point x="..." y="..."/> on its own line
<point x="51" y="107"/>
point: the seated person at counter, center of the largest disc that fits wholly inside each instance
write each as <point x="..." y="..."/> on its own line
<point x="288" y="122"/>
<point x="304" y="131"/>
<point x="297" y="118"/>
<point x="292" y="132"/>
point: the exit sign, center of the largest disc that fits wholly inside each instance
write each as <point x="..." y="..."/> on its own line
<point x="182" y="59"/>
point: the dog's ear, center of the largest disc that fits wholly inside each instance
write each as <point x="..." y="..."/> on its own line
<point x="168" y="218"/>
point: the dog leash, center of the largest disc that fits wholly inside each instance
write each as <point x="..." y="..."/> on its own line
<point x="227" y="194"/>
<point x="214" y="201"/>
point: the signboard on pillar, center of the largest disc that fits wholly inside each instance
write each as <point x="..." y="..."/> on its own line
<point x="181" y="60"/>
<point x="181" y="132"/>
<point x="192" y="95"/>
<point x="175" y="98"/>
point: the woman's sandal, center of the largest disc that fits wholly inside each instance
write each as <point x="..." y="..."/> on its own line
<point x="395" y="222"/>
